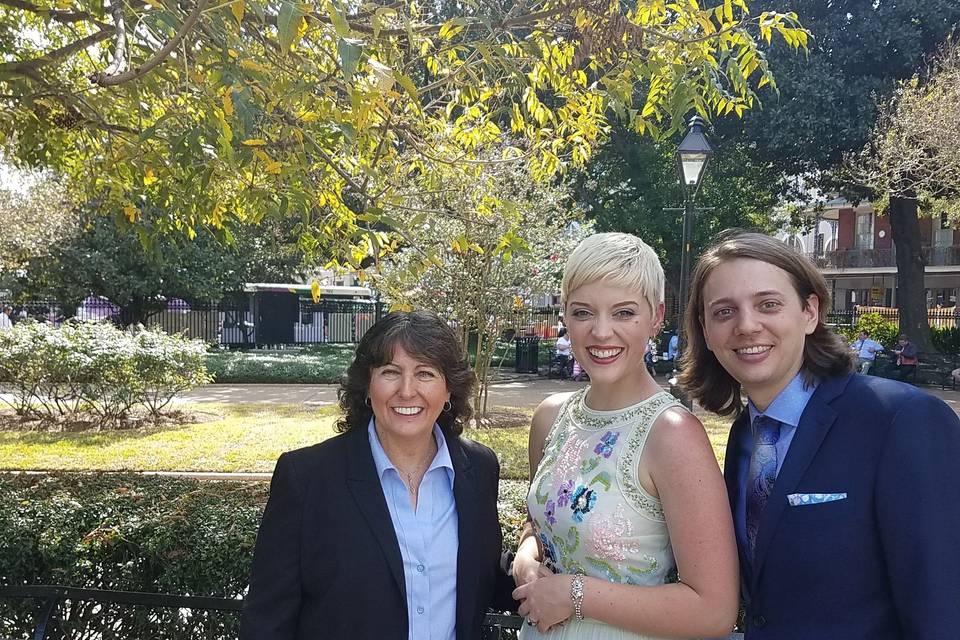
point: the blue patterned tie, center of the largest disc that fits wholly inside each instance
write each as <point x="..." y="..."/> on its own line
<point x="763" y="472"/>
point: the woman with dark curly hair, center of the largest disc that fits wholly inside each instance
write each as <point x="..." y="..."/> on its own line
<point x="390" y="529"/>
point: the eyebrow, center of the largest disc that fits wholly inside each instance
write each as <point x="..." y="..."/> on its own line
<point x="758" y="294"/>
<point x="622" y="303"/>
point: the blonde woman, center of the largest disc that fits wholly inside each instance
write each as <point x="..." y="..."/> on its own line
<point x="629" y="533"/>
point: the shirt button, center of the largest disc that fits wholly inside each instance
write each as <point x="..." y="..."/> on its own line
<point x="420" y="610"/>
<point x="420" y="568"/>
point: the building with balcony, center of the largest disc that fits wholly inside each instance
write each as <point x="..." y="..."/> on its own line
<point x="854" y="250"/>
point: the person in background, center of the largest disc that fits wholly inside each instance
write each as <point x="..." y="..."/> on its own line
<point x="6" y="321"/>
<point x="866" y="350"/>
<point x="388" y="531"/>
<point x="673" y="349"/>
<point x="563" y="351"/>
<point x="650" y="357"/>
<point x="907" y="357"/>
<point x="845" y="488"/>
<point x="625" y="489"/>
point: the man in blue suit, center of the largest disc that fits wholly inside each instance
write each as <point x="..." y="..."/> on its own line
<point x="845" y="489"/>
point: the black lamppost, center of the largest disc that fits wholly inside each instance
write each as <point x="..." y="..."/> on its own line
<point x="693" y="154"/>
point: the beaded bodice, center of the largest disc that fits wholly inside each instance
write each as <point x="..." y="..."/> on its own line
<point x="590" y="511"/>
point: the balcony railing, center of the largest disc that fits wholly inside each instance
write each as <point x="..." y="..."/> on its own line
<point x="866" y="258"/>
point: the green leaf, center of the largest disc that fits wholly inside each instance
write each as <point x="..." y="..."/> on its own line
<point x="288" y="25"/>
<point x="350" y="51"/>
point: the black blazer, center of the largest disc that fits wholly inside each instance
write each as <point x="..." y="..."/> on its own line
<point x="327" y="564"/>
<point x="882" y="564"/>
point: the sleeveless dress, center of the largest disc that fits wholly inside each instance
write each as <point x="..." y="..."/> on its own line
<point x="589" y="510"/>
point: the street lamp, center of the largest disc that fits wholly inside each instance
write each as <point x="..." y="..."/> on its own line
<point x="693" y="154"/>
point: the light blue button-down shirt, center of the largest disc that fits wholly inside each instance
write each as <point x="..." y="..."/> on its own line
<point x="428" y="540"/>
<point x="862" y="347"/>
<point x="786" y="408"/>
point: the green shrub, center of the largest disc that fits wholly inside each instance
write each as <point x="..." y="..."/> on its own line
<point x="946" y="340"/>
<point x="882" y="330"/>
<point x="142" y="533"/>
<point x="53" y="372"/>
<point x="322" y="364"/>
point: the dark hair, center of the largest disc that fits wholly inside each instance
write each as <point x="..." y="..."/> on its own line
<point x="865" y="332"/>
<point x="562" y="332"/>
<point x="425" y="336"/>
<point x="824" y="353"/>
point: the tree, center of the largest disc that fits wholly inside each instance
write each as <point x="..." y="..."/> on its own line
<point x="185" y="115"/>
<point x="102" y="259"/>
<point x="913" y="159"/>
<point x="34" y="218"/>
<point x="828" y="105"/>
<point x="501" y="242"/>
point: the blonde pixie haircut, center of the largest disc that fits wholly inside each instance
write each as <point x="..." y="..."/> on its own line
<point x="617" y="259"/>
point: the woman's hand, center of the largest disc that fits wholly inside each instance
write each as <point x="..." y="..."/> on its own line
<point x="527" y="568"/>
<point x="545" y="601"/>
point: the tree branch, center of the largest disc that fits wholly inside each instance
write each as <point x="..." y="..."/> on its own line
<point x="29" y="67"/>
<point x="64" y="17"/>
<point x="105" y="80"/>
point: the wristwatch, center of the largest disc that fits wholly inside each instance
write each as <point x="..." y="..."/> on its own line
<point x="576" y="595"/>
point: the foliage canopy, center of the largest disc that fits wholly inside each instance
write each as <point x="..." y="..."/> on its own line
<point x="193" y="113"/>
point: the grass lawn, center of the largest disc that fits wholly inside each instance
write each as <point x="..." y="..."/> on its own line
<point x="239" y="437"/>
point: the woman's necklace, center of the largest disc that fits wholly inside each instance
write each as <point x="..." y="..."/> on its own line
<point x="413" y="475"/>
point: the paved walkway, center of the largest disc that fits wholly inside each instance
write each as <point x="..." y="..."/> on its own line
<point x="522" y="391"/>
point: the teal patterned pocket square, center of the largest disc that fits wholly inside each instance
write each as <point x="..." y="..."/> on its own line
<point x="801" y="499"/>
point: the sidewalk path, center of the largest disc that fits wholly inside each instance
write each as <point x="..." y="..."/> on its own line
<point x="521" y="391"/>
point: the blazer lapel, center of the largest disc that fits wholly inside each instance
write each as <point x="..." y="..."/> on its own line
<point x="366" y="489"/>
<point x="734" y="474"/>
<point x="465" y="496"/>
<point x="815" y="423"/>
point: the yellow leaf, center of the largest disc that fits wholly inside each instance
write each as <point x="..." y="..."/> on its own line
<point x="273" y="166"/>
<point x="149" y="177"/>
<point x="250" y="65"/>
<point x="228" y="102"/>
<point x="131" y="212"/>
<point x="400" y="306"/>
<point x="237" y="8"/>
<point x="233" y="54"/>
<point x="315" y="291"/>
<point x="255" y="142"/>
<point x="309" y="116"/>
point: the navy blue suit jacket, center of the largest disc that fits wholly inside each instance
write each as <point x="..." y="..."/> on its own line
<point x="883" y="564"/>
<point x="327" y="563"/>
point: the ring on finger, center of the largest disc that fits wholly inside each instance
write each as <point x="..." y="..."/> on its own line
<point x="531" y="622"/>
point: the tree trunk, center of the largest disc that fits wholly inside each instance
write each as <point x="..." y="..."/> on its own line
<point x="911" y="292"/>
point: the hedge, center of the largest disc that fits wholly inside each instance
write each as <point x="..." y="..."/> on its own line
<point x="93" y="367"/>
<point x="324" y="364"/>
<point x="142" y="533"/>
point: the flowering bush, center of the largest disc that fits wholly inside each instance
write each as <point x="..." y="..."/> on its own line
<point x="53" y="372"/>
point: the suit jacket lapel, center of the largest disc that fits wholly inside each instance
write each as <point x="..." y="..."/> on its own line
<point x="465" y="496"/>
<point x="366" y="489"/>
<point x="815" y="423"/>
<point x="734" y="473"/>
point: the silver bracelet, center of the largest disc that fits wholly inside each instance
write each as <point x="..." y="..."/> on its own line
<point x="576" y="595"/>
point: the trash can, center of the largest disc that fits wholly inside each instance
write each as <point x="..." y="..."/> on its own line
<point x="527" y="354"/>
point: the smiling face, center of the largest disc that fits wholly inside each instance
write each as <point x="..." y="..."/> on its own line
<point x="609" y="327"/>
<point x="756" y="325"/>
<point x="406" y="396"/>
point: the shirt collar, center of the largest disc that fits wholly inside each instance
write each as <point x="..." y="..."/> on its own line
<point x="788" y="406"/>
<point x="382" y="461"/>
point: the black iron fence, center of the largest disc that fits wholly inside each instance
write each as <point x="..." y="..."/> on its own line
<point x="67" y="613"/>
<point x="938" y="318"/>
<point x="259" y="320"/>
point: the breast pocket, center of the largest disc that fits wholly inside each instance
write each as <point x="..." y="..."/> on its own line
<point x="814" y="512"/>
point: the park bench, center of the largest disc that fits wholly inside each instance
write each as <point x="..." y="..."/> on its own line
<point x="933" y="369"/>
<point x="106" y="614"/>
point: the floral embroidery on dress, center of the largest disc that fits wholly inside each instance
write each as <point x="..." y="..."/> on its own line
<point x="564" y="493"/>
<point x="550" y="511"/>
<point x="605" y="446"/>
<point x="588" y="509"/>
<point x="582" y="502"/>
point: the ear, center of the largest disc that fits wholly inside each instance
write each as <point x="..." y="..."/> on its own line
<point x="811" y="313"/>
<point x="658" y="314"/>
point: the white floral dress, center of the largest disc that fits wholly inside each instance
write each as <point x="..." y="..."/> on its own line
<point x="590" y="512"/>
